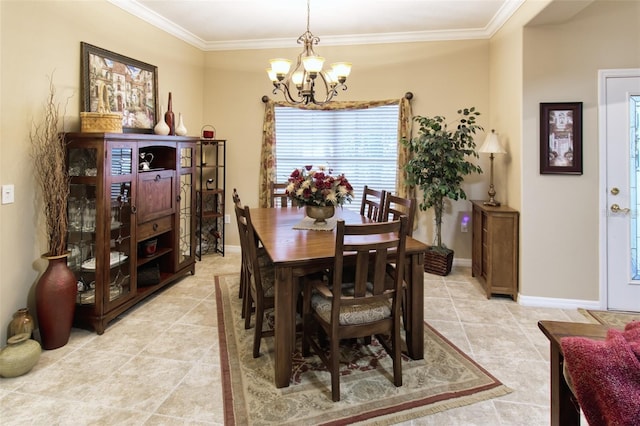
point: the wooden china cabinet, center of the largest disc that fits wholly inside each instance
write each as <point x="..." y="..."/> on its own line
<point x="495" y="248"/>
<point x="131" y="219"/>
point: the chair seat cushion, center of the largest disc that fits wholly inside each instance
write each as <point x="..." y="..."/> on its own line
<point x="268" y="280"/>
<point x="352" y="314"/>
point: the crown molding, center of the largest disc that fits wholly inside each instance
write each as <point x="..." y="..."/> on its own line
<point x="138" y="10"/>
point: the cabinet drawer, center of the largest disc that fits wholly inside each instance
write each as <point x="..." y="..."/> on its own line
<point x="155" y="227"/>
<point x="156" y="196"/>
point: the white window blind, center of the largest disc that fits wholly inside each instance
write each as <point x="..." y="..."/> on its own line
<point x="361" y="143"/>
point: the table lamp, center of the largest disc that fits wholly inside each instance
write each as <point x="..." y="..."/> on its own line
<point x="492" y="146"/>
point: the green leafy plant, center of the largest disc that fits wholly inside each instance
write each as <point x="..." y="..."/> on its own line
<point x="439" y="161"/>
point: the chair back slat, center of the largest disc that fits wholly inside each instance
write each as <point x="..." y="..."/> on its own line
<point x="236" y="198"/>
<point x="372" y="203"/>
<point x="248" y="243"/>
<point x="395" y="206"/>
<point x="278" y="196"/>
<point x="373" y="245"/>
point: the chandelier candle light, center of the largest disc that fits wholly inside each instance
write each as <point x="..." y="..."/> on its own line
<point x="308" y="75"/>
<point x="492" y="146"/>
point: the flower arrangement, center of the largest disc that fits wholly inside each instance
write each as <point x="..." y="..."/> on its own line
<point x="309" y="187"/>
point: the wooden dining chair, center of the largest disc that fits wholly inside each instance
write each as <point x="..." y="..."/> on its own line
<point x="260" y="291"/>
<point x="395" y="206"/>
<point x="278" y="196"/>
<point x="362" y="308"/>
<point x="372" y="203"/>
<point x="262" y="257"/>
<point x="243" y="266"/>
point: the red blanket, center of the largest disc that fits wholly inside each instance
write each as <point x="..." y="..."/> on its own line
<point x="606" y="375"/>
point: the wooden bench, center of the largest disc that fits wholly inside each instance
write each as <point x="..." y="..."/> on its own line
<point x="565" y="410"/>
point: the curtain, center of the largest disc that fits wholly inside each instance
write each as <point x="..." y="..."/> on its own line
<point x="268" y="150"/>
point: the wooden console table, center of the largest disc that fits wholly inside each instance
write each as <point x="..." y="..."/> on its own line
<point x="565" y="410"/>
<point x="495" y="248"/>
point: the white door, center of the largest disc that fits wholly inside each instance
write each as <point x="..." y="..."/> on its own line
<point x="620" y="145"/>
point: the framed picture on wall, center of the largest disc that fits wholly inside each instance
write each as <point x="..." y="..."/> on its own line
<point x="114" y="83"/>
<point x="561" y="138"/>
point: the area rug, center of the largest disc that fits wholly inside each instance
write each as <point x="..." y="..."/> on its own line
<point x="613" y="318"/>
<point x="445" y="379"/>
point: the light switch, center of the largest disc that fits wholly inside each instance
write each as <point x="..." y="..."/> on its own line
<point x="8" y="194"/>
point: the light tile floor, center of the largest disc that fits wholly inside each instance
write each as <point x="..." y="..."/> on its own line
<point x="158" y="363"/>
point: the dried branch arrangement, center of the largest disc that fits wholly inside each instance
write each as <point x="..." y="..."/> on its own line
<point x="48" y="155"/>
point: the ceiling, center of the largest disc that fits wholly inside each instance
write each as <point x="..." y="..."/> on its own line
<point x="254" y="24"/>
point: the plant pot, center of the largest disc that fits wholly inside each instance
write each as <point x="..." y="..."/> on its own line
<point x="19" y="356"/>
<point x="56" y="292"/>
<point x="320" y="213"/>
<point x="22" y="322"/>
<point x="438" y="261"/>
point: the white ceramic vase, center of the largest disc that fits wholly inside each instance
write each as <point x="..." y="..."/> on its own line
<point x="181" y="130"/>
<point x="161" y="128"/>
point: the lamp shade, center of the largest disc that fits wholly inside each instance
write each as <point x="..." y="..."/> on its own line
<point x="492" y="144"/>
<point x="341" y="69"/>
<point x="313" y="63"/>
<point x="280" y="66"/>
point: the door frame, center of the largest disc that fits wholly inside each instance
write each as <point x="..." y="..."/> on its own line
<point x="603" y="75"/>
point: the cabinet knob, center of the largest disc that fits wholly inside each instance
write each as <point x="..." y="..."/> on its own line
<point x="155" y="226"/>
<point x="157" y="179"/>
<point x="178" y="198"/>
<point x="134" y="209"/>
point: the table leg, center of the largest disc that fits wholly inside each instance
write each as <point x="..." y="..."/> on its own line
<point x="284" y="325"/>
<point x="563" y="410"/>
<point x="415" y="334"/>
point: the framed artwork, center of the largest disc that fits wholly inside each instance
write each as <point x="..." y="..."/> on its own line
<point x="561" y="138"/>
<point x="115" y="83"/>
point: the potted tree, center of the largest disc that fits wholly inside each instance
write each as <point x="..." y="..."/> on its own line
<point x="439" y="161"/>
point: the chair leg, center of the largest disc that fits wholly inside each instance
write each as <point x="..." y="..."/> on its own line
<point x="397" y="357"/>
<point x="306" y="318"/>
<point x="335" y="369"/>
<point x="241" y="288"/>
<point x="247" y="303"/>
<point x="257" y="335"/>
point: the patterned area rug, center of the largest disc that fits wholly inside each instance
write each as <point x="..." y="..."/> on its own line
<point x="445" y="379"/>
<point x="612" y="318"/>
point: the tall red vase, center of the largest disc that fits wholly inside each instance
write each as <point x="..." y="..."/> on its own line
<point x="170" y="118"/>
<point x="56" y="292"/>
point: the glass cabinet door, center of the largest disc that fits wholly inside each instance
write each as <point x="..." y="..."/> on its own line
<point x="121" y="256"/>
<point x="120" y="242"/>
<point x="81" y="241"/>
<point x="186" y="207"/>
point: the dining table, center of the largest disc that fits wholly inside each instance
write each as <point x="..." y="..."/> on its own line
<point x="298" y="252"/>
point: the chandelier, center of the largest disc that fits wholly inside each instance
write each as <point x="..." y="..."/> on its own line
<point x="308" y="81"/>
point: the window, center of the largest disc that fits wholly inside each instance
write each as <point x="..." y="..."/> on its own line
<point x="361" y="143"/>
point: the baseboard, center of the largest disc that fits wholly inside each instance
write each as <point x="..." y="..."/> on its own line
<point x="466" y="263"/>
<point x="232" y="249"/>
<point x="550" y="302"/>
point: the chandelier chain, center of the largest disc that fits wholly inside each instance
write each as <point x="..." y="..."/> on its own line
<point x="300" y="84"/>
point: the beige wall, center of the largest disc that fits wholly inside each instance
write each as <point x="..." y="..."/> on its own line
<point x="443" y="76"/>
<point x="560" y="213"/>
<point x="41" y="38"/>
<point x="505" y="78"/>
